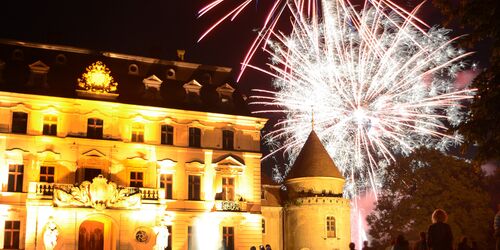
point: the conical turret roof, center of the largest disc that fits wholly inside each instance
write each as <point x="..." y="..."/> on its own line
<point x="314" y="161"/>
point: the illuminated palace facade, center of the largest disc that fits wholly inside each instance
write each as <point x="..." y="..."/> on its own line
<point x="100" y="150"/>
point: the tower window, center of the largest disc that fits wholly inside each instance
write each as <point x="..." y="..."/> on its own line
<point x="136" y="179"/>
<point x="190" y="238"/>
<point x="227" y="139"/>
<point x="50" y="125"/>
<point x="47" y="174"/>
<point x="94" y="128"/>
<point x="330" y="227"/>
<point x="137" y="132"/>
<point x="19" y="122"/>
<point x="167" y="135"/>
<point x="195" y="137"/>
<point x="228" y="238"/>
<point x="263" y="226"/>
<point x="194" y="187"/>
<point x="11" y="234"/>
<point x="166" y="182"/>
<point x="15" y="182"/>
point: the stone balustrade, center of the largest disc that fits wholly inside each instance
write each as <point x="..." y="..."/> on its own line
<point x="231" y="206"/>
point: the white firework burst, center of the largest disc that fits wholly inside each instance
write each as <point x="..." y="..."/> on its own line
<point x="377" y="80"/>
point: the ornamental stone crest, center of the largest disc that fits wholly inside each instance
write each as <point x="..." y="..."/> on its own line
<point x="99" y="194"/>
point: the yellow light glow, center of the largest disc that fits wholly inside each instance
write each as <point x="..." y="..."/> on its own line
<point x="97" y="79"/>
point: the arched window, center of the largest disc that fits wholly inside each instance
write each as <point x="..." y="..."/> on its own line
<point x="330" y="227"/>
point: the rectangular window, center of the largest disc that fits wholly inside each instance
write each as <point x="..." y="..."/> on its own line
<point x="194" y="187"/>
<point x="190" y="238"/>
<point x="137" y="132"/>
<point x="227" y="139"/>
<point x="94" y="128"/>
<point x="228" y="188"/>
<point x="19" y="122"/>
<point x="11" y="234"/>
<point x="50" y="125"/>
<point x="136" y="179"/>
<point x="47" y="174"/>
<point x="263" y="226"/>
<point x="15" y="182"/>
<point x="166" y="182"/>
<point x="167" y="135"/>
<point x="195" y="137"/>
<point x="330" y="227"/>
<point x="228" y="238"/>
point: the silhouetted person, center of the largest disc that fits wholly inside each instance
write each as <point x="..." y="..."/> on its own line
<point x="401" y="243"/>
<point x="365" y="245"/>
<point x="463" y="245"/>
<point x="352" y="246"/>
<point x="261" y="247"/>
<point x="439" y="236"/>
<point x="496" y="226"/>
<point x="268" y="247"/>
<point x="391" y="246"/>
<point x="422" y="243"/>
<point x="253" y="248"/>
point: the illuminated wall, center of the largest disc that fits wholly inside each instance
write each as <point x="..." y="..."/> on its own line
<point x="118" y="158"/>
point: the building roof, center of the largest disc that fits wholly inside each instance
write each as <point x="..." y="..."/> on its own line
<point x="141" y="80"/>
<point x="314" y="161"/>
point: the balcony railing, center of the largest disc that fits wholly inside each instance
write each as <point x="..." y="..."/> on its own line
<point x="45" y="190"/>
<point x="231" y="206"/>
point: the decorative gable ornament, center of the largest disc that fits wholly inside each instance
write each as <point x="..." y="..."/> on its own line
<point x="97" y="82"/>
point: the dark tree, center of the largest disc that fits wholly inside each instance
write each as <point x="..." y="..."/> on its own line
<point x="480" y="19"/>
<point x="427" y="180"/>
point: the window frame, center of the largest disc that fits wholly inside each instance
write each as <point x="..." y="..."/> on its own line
<point x="167" y="134"/>
<point x="136" y="179"/>
<point x="137" y="132"/>
<point x="50" y="125"/>
<point x="194" y="187"/>
<point x="227" y="139"/>
<point x="47" y="175"/>
<point x="19" y="125"/>
<point x="15" y="227"/>
<point x="330" y="226"/>
<point x="96" y="128"/>
<point x="228" y="237"/>
<point x="228" y="188"/>
<point x="168" y="185"/>
<point x="194" y="137"/>
<point x="17" y="178"/>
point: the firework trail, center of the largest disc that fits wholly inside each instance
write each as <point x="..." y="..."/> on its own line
<point x="377" y="79"/>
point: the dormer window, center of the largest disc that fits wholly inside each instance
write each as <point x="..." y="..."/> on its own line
<point x="225" y="93"/>
<point x="192" y="91"/>
<point x="38" y="74"/>
<point x="171" y="74"/>
<point x="152" y="82"/>
<point x="133" y="69"/>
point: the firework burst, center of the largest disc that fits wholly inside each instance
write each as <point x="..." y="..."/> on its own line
<point x="376" y="79"/>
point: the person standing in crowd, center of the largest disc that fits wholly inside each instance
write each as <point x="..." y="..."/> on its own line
<point x="439" y="235"/>
<point x="422" y="243"/>
<point x="496" y="226"/>
<point x="401" y="243"/>
<point x="365" y="245"/>
<point x="352" y="246"/>
<point x="463" y="245"/>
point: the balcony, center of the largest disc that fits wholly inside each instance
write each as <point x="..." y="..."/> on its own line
<point x="230" y="206"/>
<point x="45" y="191"/>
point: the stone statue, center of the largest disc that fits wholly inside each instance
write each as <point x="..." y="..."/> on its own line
<point x="161" y="236"/>
<point x="50" y="235"/>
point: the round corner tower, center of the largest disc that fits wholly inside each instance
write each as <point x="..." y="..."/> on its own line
<point x="316" y="215"/>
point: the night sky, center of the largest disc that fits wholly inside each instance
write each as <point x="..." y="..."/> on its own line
<point x="156" y="28"/>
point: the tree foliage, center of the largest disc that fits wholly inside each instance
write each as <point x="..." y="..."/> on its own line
<point x="481" y="20"/>
<point x="422" y="182"/>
